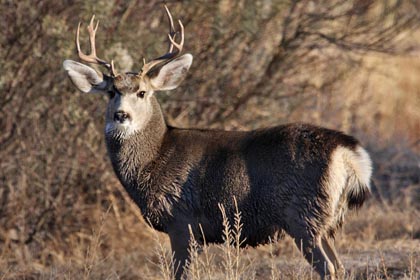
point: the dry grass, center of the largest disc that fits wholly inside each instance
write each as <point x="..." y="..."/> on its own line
<point x="374" y="244"/>
<point x="370" y="253"/>
<point x="63" y="214"/>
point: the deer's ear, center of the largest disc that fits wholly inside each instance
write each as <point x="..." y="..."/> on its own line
<point x="85" y="78"/>
<point x="172" y="74"/>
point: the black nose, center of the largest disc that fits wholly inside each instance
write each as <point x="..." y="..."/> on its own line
<point x="121" y="116"/>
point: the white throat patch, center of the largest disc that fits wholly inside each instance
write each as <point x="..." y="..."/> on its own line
<point x="120" y="130"/>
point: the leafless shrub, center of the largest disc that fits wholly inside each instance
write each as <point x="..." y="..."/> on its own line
<point x="258" y="63"/>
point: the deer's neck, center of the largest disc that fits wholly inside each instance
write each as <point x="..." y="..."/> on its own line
<point x="131" y="155"/>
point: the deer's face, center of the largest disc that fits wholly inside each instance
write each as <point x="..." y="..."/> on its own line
<point x="130" y="104"/>
<point x="129" y="107"/>
<point x="130" y="94"/>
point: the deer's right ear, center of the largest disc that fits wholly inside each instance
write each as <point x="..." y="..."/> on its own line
<point x="85" y="78"/>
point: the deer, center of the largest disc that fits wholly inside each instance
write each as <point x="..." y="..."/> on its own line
<point x="296" y="178"/>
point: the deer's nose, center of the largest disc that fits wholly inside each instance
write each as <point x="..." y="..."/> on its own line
<point x="121" y="116"/>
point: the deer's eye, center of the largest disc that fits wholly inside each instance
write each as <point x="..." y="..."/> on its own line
<point x="141" y="94"/>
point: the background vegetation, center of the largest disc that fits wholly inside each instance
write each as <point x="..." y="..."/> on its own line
<point x="349" y="65"/>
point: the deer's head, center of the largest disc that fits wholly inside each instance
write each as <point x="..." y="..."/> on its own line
<point x="130" y="94"/>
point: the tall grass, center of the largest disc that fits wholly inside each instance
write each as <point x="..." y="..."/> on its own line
<point x="229" y="261"/>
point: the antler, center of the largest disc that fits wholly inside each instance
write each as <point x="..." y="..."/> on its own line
<point x="92" y="58"/>
<point x="171" y="54"/>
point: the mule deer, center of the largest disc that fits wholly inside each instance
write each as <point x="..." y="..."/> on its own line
<point x="296" y="178"/>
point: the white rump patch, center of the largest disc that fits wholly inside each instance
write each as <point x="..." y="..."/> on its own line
<point x="362" y="166"/>
<point x="337" y="175"/>
<point x="347" y="170"/>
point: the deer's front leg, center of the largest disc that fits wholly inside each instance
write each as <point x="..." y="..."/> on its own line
<point x="179" y="237"/>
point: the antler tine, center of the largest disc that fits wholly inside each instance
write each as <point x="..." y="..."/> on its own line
<point x="113" y="72"/>
<point x="181" y="44"/>
<point x="92" y="57"/>
<point x="172" y="31"/>
<point x="171" y="54"/>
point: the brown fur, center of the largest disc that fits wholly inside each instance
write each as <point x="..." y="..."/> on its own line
<point x="178" y="177"/>
<point x="294" y="178"/>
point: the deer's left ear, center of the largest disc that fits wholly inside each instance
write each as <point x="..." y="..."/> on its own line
<point x="172" y="74"/>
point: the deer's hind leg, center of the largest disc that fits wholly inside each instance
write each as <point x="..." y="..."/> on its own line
<point x="314" y="253"/>
<point x="328" y="246"/>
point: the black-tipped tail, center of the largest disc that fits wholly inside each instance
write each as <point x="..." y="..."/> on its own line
<point x="358" y="187"/>
<point x="357" y="196"/>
